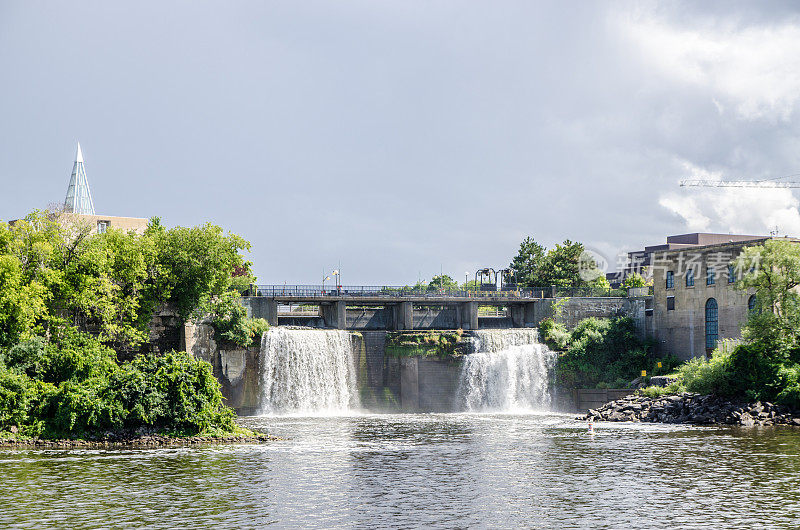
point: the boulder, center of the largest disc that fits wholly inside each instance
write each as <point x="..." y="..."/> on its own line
<point x="662" y="380"/>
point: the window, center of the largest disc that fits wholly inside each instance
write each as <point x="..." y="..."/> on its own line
<point x="102" y="226"/>
<point x="712" y="329"/>
<point x="731" y="274"/>
<point x="690" y="278"/>
<point x="710" y="276"/>
<point x="670" y="280"/>
<point x="751" y="304"/>
<point x="670" y="303"/>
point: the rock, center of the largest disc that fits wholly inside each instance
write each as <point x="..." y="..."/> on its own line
<point x="661" y="380"/>
<point x="746" y="420"/>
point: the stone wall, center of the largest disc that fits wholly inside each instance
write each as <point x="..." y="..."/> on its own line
<point x="236" y="369"/>
<point x="681" y="331"/>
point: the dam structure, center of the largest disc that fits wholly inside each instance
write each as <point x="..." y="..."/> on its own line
<point x="381" y="349"/>
<point x="305" y="371"/>
<point x="394" y="308"/>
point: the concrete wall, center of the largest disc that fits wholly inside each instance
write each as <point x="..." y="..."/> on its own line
<point x="370" y="319"/>
<point x="428" y="385"/>
<point x="583" y="399"/>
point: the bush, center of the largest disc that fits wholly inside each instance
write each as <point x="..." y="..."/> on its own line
<point x="14" y="398"/>
<point x="789" y="378"/>
<point x="231" y="323"/>
<point x="600" y="353"/>
<point x="708" y="376"/>
<point x="76" y="387"/>
<point x="553" y="334"/>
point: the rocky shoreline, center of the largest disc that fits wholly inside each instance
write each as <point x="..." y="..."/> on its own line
<point x="694" y="409"/>
<point x="124" y="440"/>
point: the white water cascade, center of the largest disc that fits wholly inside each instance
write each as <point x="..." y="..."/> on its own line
<point x="305" y="371"/>
<point x="508" y="372"/>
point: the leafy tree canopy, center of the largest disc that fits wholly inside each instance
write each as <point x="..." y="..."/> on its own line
<point x="442" y="282"/>
<point x="773" y="271"/>
<point x="55" y="275"/>
<point x="566" y="266"/>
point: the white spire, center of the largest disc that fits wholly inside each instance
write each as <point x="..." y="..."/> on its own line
<point x="79" y="196"/>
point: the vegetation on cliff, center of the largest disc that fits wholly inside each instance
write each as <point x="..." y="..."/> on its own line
<point x="601" y="353"/>
<point x="71" y="300"/>
<point x="424" y="343"/>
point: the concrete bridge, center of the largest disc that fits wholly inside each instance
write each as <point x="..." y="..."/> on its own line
<point x="395" y="308"/>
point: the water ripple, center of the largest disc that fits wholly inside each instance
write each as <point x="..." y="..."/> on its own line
<point x="425" y="470"/>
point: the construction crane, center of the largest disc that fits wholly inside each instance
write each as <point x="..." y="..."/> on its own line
<point x="766" y="183"/>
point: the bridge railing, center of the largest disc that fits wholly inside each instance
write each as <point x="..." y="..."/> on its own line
<point x="355" y="291"/>
<point x="388" y="291"/>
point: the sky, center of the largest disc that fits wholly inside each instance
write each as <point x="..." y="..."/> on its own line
<point x="398" y="139"/>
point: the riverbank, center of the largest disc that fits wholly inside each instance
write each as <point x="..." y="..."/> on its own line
<point x="695" y="409"/>
<point x="135" y="440"/>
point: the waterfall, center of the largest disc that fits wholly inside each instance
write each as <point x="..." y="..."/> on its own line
<point x="508" y="371"/>
<point x="307" y="371"/>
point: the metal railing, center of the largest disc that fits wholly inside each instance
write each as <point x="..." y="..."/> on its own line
<point x="391" y="291"/>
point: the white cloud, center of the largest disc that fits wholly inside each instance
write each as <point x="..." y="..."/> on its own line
<point x="751" y="69"/>
<point x="754" y="211"/>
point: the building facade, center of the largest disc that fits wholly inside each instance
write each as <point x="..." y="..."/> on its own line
<point x="77" y="210"/>
<point x="696" y="299"/>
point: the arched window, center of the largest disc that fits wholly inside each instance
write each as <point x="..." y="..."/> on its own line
<point x="712" y="321"/>
<point x="751" y="304"/>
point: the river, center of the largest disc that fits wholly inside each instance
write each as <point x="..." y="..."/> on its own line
<point x="421" y="470"/>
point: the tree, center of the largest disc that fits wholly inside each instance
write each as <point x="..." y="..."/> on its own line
<point x="773" y="271"/>
<point x="54" y="276"/>
<point x="561" y="266"/>
<point x="634" y="280"/>
<point x="527" y="262"/>
<point x="442" y="282"/>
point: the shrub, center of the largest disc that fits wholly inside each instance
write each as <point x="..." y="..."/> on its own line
<point x="601" y="353"/>
<point x="14" y="398"/>
<point x="76" y="387"/>
<point x="708" y="376"/>
<point x="553" y="334"/>
<point x="231" y="323"/>
<point x="789" y="378"/>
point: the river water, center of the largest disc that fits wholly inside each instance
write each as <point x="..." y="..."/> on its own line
<point x="421" y="470"/>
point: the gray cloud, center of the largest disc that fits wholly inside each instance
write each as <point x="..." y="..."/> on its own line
<point x="400" y="137"/>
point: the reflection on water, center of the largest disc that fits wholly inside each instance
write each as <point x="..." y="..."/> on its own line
<point x="426" y="470"/>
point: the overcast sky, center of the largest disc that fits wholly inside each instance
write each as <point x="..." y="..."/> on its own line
<point x="403" y="137"/>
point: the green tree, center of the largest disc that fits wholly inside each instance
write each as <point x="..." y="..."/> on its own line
<point x="442" y="282"/>
<point x="773" y="271"/>
<point x="55" y="275"/>
<point x="634" y="280"/>
<point x="527" y="264"/>
<point x="561" y="266"/>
